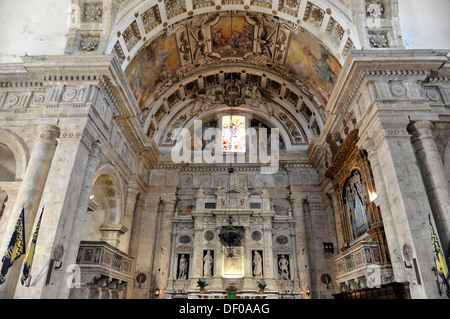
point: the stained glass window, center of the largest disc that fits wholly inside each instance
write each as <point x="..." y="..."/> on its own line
<point x="233" y="134"/>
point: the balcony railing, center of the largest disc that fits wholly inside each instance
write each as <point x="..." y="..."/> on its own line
<point x="104" y="258"/>
<point x="356" y="265"/>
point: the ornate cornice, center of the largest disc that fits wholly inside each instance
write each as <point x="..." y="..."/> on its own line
<point x="346" y="151"/>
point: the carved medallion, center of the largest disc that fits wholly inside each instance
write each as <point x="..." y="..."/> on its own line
<point x="184" y="239"/>
<point x="256" y="235"/>
<point x="407" y="252"/>
<point x="209" y="235"/>
<point x="141" y="278"/>
<point x="282" y="240"/>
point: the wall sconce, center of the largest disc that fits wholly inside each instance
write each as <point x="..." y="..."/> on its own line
<point x="372" y="196"/>
<point x="328" y="248"/>
<point x="308" y="291"/>
<point x="156" y="291"/>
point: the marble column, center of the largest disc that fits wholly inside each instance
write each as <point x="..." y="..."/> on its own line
<point x="173" y="267"/>
<point x="248" y="274"/>
<point x="401" y="274"/>
<point x="217" y="283"/>
<point x="146" y="247"/>
<point x="197" y="256"/>
<point x="130" y="207"/>
<point x="164" y="242"/>
<point x="29" y="197"/>
<point x="435" y="177"/>
<point x="60" y="199"/>
<point x="78" y="221"/>
<point x="301" y="244"/>
<point x="295" y="262"/>
<point x="407" y="200"/>
<point x="268" y="258"/>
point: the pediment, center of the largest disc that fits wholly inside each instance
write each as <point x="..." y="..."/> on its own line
<point x="233" y="190"/>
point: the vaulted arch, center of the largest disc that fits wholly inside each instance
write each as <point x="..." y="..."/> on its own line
<point x="140" y="21"/>
<point x="17" y="148"/>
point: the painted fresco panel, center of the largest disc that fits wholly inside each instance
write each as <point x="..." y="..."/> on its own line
<point x="156" y="62"/>
<point x="313" y="63"/>
<point x="232" y="37"/>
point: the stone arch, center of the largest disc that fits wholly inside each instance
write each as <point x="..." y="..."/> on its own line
<point x="16" y="147"/>
<point x="271" y="122"/>
<point x="106" y="207"/>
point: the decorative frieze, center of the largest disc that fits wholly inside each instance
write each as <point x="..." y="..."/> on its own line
<point x="151" y="18"/>
<point x="289" y="6"/>
<point x="174" y="8"/>
<point x="132" y="35"/>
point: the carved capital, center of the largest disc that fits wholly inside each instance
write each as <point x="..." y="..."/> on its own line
<point x="48" y="132"/>
<point x="421" y="130"/>
<point x="96" y="149"/>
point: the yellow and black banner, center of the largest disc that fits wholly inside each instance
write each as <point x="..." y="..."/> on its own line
<point x="30" y="254"/>
<point x="15" y="249"/>
<point x="439" y="258"/>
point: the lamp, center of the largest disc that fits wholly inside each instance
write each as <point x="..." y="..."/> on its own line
<point x="308" y="291"/>
<point x="328" y="248"/>
<point x="230" y="236"/>
<point x="156" y="291"/>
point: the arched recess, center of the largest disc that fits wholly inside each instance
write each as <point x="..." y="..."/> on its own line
<point x="293" y="137"/>
<point x="295" y="111"/>
<point x="106" y="208"/>
<point x="14" y="156"/>
<point x="293" y="51"/>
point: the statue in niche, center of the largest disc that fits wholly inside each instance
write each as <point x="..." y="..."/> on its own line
<point x="208" y="262"/>
<point x="183" y="267"/>
<point x="257" y="264"/>
<point x="283" y="268"/>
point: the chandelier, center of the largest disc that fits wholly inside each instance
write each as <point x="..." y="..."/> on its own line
<point x="230" y="236"/>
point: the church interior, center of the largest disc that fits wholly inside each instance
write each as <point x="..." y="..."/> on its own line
<point x="225" y="149"/>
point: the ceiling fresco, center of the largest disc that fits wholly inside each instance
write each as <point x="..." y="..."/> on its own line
<point x="245" y="40"/>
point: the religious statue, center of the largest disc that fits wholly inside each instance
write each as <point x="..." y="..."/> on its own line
<point x="183" y="268"/>
<point x="257" y="264"/>
<point x="283" y="268"/>
<point x="208" y="264"/>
